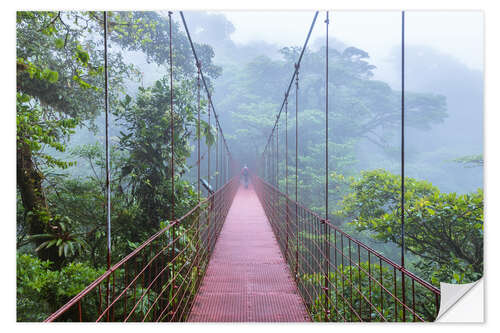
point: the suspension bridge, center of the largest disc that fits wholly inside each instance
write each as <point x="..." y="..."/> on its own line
<point x="252" y="254"/>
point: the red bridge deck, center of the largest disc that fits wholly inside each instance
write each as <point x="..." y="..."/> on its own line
<point x="247" y="279"/>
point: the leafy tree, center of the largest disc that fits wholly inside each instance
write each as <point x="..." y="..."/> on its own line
<point x="148" y="32"/>
<point x="361" y="109"/>
<point x="443" y="230"/>
<point x="41" y="290"/>
<point x="59" y="80"/>
<point x="59" y="70"/>
<point x="147" y="141"/>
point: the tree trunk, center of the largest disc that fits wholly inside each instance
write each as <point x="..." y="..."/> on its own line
<point x="29" y="182"/>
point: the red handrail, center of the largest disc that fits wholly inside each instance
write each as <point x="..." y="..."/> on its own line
<point x="153" y="255"/>
<point x="310" y="258"/>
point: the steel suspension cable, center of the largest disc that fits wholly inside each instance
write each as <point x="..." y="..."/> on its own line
<point x="106" y="110"/>
<point x="403" y="159"/>
<point x="172" y="214"/>
<point x="286" y="175"/>
<point x="108" y="175"/>
<point x="294" y="74"/>
<point x="208" y="148"/>
<point x="172" y="204"/>
<point x="402" y="138"/>
<point x="277" y="156"/>
<point x="216" y="159"/>
<point x="297" y="167"/>
<point x="205" y="83"/>
<point x="326" y="229"/>
<point x="208" y="175"/>
<point x="198" y="131"/>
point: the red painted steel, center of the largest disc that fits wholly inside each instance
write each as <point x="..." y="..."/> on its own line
<point x="247" y="279"/>
<point x="143" y="286"/>
<point x="363" y="284"/>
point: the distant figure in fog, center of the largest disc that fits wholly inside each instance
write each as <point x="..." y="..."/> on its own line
<point x="244" y="174"/>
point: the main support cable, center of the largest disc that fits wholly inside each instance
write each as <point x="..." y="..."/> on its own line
<point x="283" y="104"/>
<point x="205" y="84"/>
<point x="293" y="76"/>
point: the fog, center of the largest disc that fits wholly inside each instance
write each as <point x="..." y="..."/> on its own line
<point x="248" y="60"/>
<point x="444" y="73"/>
<point x="444" y="55"/>
<point x="443" y="83"/>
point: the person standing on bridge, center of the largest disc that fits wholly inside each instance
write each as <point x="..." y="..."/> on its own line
<point x="244" y="174"/>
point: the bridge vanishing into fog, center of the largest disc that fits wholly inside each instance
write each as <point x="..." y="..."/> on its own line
<point x="253" y="254"/>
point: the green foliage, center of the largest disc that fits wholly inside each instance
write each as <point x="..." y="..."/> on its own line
<point x="58" y="61"/>
<point x="40" y="290"/>
<point x="148" y="32"/>
<point x="444" y="230"/>
<point x="352" y="291"/>
<point x="38" y="73"/>
<point x="60" y="74"/>
<point x="59" y="87"/>
<point x="36" y="131"/>
<point x="361" y="110"/>
<point x="67" y="242"/>
<point x="147" y="138"/>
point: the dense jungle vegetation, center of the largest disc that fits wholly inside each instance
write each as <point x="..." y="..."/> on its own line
<point x="61" y="217"/>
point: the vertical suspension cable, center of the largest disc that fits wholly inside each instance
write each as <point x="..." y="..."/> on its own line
<point x="198" y="131"/>
<point x="198" y="135"/>
<point x="272" y="180"/>
<point x="269" y="165"/>
<point x="286" y="176"/>
<point x="277" y="198"/>
<point x="222" y="161"/>
<point x="172" y="214"/>
<point x="403" y="159"/>
<point x="208" y="145"/>
<point x="277" y="156"/>
<point x="108" y="180"/>
<point x="326" y="228"/>
<point x="296" y="169"/>
<point x="402" y="138"/>
<point x="216" y="158"/>
<point x="106" y="109"/>
<point x="172" y="202"/>
<point x="208" y="179"/>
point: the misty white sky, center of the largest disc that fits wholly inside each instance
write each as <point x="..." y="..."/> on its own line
<point x="459" y="33"/>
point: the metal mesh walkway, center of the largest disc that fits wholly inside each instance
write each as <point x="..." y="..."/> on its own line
<point x="247" y="279"/>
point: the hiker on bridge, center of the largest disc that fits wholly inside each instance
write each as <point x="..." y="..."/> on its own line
<point x="244" y="174"/>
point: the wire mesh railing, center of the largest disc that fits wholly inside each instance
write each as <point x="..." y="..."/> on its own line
<point x="338" y="277"/>
<point x="159" y="279"/>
